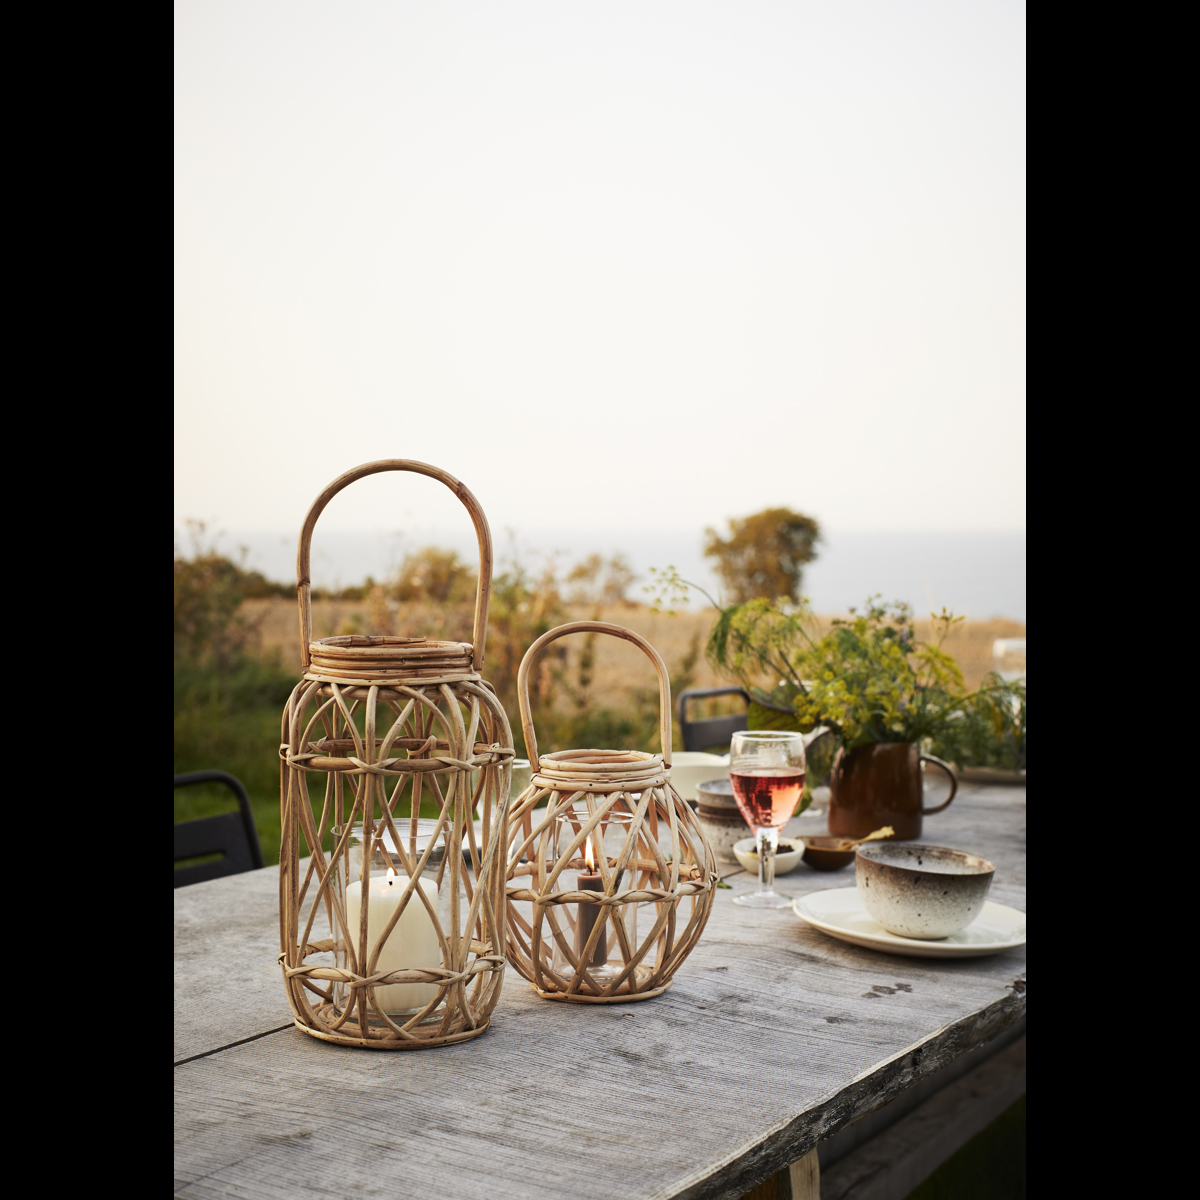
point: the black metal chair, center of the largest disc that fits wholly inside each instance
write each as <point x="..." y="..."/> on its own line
<point x="230" y="834"/>
<point x="712" y="731"/>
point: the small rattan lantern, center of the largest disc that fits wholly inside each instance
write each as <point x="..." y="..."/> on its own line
<point x="610" y="885"/>
<point x="414" y="908"/>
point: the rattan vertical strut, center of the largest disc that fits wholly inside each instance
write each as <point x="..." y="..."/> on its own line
<point x="654" y="873"/>
<point x="381" y="725"/>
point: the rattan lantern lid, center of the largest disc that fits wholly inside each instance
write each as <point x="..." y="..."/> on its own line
<point x="601" y="770"/>
<point x="359" y="659"/>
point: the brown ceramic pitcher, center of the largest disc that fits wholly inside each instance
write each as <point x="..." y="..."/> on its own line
<point x="881" y="784"/>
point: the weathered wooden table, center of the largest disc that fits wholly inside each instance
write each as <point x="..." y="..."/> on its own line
<point x="773" y="1039"/>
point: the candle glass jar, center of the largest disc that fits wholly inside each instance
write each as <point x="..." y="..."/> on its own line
<point x="413" y="941"/>
<point x="599" y="935"/>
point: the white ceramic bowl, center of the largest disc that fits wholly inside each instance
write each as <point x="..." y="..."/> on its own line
<point x="690" y="767"/>
<point x="785" y="860"/>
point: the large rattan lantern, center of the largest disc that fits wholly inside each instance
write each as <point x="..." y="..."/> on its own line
<point x="392" y="935"/>
<point x="611" y="883"/>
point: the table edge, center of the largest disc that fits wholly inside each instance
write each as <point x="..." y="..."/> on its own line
<point x="753" y="1163"/>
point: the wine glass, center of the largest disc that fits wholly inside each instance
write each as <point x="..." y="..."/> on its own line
<point x="766" y="769"/>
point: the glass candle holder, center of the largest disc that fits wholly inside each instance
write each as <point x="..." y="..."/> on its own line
<point x="601" y="937"/>
<point x="521" y="776"/>
<point x="410" y="941"/>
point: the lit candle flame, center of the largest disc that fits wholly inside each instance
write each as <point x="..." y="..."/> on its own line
<point x="391" y="876"/>
<point x="587" y="854"/>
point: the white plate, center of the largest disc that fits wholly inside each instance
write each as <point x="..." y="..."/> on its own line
<point x="840" y="913"/>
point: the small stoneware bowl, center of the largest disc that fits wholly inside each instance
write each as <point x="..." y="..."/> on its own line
<point x="823" y="853"/>
<point x="720" y="818"/>
<point x="917" y="891"/>
<point x="786" y="857"/>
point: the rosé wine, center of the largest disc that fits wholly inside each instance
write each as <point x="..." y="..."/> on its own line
<point x="767" y="796"/>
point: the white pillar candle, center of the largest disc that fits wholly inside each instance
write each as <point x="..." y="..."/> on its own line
<point x="413" y="943"/>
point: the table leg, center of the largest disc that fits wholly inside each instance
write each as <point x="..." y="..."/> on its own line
<point x="805" y="1175"/>
<point x="800" y="1181"/>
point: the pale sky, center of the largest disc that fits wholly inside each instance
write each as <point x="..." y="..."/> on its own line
<point x="619" y="265"/>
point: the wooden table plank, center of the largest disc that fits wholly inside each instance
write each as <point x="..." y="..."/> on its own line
<point x="227" y="981"/>
<point x="773" y="1037"/>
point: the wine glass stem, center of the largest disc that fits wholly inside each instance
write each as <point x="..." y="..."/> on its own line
<point x="768" y="841"/>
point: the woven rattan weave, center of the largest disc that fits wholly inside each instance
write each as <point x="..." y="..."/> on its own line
<point x="383" y="725"/>
<point x="647" y="850"/>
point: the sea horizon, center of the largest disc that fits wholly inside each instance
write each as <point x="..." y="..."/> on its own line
<point x="980" y="574"/>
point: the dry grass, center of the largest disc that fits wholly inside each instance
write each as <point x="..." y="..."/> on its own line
<point x="619" y="666"/>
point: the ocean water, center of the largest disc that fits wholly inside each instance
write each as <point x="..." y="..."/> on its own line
<point x="979" y="575"/>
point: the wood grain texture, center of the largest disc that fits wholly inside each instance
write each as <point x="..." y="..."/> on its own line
<point x="772" y="1038"/>
<point x="227" y="982"/>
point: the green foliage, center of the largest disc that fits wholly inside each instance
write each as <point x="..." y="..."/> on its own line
<point x="765" y="554"/>
<point x="668" y="591"/>
<point x="761" y="638"/>
<point x="867" y="680"/>
<point x="215" y="644"/>
<point x="818" y="753"/>
<point x="228" y="696"/>
<point x="209" y="590"/>
<point x="243" y="742"/>
<point x="870" y="680"/>
<point x="759" y="716"/>
<point x="988" y="730"/>
<point x="208" y="625"/>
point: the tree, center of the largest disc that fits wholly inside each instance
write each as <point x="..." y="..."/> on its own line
<point x="436" y="575"/>
<point x="209" y="589"/>
<point x="597" y="581"/>
<point x="764" y="555"/>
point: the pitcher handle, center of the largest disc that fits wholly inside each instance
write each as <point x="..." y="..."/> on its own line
<point x="937" y="762"/>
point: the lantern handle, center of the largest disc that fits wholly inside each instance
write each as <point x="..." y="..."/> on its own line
<point x="482" y="532"/>
<point x="534" y="651"/>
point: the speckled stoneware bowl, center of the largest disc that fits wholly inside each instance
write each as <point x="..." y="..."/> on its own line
<point x="918" y="891"/>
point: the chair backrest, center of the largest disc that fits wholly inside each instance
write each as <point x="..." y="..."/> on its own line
<point x="713" y="731"/>
<point x="230" y="834"/>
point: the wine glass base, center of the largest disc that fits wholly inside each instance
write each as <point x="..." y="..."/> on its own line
<point x="762" y="900"/>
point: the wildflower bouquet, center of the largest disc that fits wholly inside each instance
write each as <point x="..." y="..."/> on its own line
<point x="867" y="680"/>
